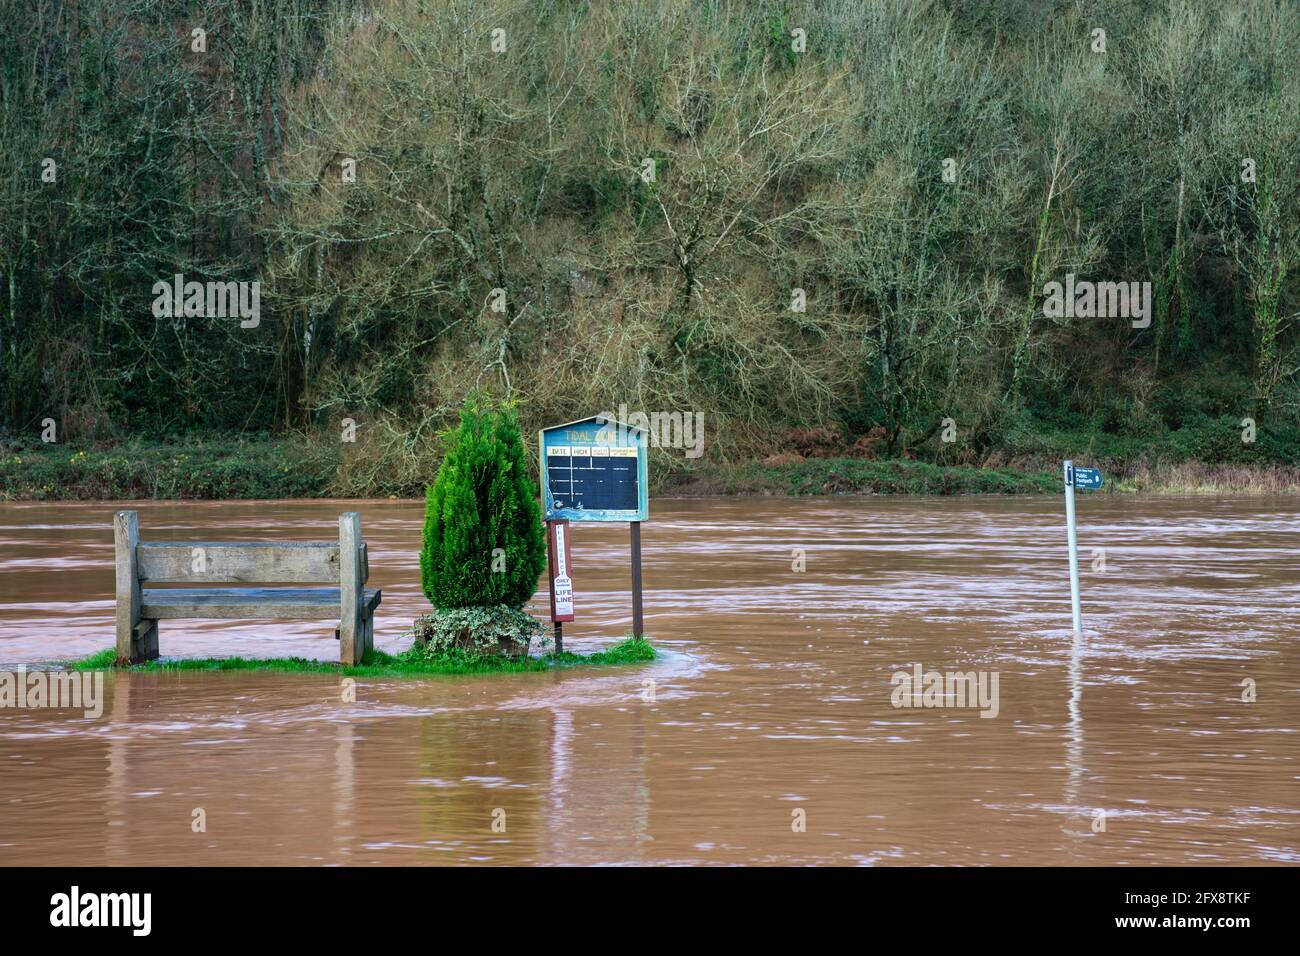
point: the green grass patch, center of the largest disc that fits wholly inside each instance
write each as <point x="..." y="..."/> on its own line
<point x="253" y="469"/>
<point x="633" y="650"/>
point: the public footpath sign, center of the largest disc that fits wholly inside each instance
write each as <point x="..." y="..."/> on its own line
<point x="1087" y="478"/>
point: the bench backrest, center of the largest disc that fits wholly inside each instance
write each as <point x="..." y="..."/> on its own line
<point x="173" y="562"/>
<point x="230" y="562"/>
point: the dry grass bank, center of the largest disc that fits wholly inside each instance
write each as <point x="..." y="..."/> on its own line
<point x="1198" y="478"/>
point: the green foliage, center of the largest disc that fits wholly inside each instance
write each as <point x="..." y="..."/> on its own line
<point x="209" y="469"/>
<point x="476" y="630"/>
<point x="410" y="663"/>
<point x="774" y="170"/>
<point x="484" y="542"/>
<point x="632" y="650"/>
<point x="162" y="166"/>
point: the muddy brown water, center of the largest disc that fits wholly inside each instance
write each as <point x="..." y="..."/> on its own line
<point x="771" y="700"/>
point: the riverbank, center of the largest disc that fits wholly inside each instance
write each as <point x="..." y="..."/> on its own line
<point x="851" y="476"/>
<point x="297" y="468"/>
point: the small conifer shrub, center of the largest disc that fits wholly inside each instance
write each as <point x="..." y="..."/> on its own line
<point x="484" y="541"/>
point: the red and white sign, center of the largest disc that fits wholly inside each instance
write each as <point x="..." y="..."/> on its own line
<point x="558" y="563"/>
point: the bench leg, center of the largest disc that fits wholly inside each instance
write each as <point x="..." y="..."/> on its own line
<point x="350" y="642"/>
<point x="363" y="640"/>
<point x="352" y="620"/>
<point x="126" y="640"/>
<point x="126" y="537"/>
<point x="144" y="642"/>
<point x="369" y="635"/>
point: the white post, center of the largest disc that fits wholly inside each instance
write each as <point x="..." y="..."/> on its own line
<point x="1073" y="539"/>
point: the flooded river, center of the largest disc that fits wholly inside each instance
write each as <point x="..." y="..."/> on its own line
<point x="771" y="735"/>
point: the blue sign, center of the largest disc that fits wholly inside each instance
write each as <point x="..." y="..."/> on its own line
<point x="1089" y="478"/>
<point x="594" y="469"/>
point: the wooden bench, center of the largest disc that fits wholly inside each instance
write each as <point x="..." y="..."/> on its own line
<point x="344" y="563"/>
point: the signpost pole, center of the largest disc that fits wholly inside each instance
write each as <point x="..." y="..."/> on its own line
<point x="638" y="623"/>
<point x="561" y="584"/>
<point x="1073" y="540"/>
<point x="550" y="580"/>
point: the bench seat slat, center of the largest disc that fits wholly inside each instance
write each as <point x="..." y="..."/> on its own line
<point x="288" y="562"/>
<point x="162" y="604"/>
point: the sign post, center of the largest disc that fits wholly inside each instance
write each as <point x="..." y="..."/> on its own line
<point x="638" y="624"/>
<point x="557" y="561"/>
<point x="1073" y="540"/>
<point x="1089" y="478"/>
<point x="594" y="469"/>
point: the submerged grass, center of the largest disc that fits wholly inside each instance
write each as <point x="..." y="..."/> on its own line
<point x="411" y="663"/>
